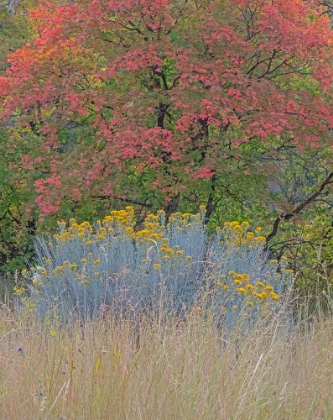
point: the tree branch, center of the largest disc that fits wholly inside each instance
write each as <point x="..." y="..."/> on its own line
<point x="288" y="216"/>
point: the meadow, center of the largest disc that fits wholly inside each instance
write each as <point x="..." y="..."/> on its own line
<point x="147" y="312"/>
<point x="162" y="322"/>
<point x="113" y="370"/>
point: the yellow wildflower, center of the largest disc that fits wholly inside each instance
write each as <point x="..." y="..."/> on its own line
<point x="85" y="224"/>
<point x="238" y="229"/>
<point x="156" y="235"/>
<point x="260" y="239"/>
<point x="249" y="236"/>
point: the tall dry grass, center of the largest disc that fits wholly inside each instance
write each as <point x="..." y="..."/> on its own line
<point x="163" y="370"/>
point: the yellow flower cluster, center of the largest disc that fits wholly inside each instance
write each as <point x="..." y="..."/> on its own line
<point x="123" y="220"/>
<point x="82" y="231"/>
<point x="236" y="233"/>
<point x="152" y="230"/>
<point x="19" y="290"/>
<point x="241" y="284"/>
<point x="181" y="221"/>
<point x="168" y="253"/>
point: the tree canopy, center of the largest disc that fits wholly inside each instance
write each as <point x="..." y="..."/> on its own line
<point x="166" y="104"/>
<point x="167" y="98"/>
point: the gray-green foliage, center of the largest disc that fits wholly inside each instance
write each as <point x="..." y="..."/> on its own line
<point x="175" y="267"/>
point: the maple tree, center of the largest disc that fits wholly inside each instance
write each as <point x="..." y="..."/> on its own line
<point x="161" y="103"/>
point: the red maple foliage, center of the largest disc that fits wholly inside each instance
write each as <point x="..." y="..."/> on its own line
<point x="172" y="88"/>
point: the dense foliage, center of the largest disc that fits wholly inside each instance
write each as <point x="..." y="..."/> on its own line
<point x="168" y="104"/>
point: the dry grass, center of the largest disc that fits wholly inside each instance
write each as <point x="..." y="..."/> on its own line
<point x="113" y="370"/>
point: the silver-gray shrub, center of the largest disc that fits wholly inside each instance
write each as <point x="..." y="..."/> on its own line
<point x="175" y="267"/>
